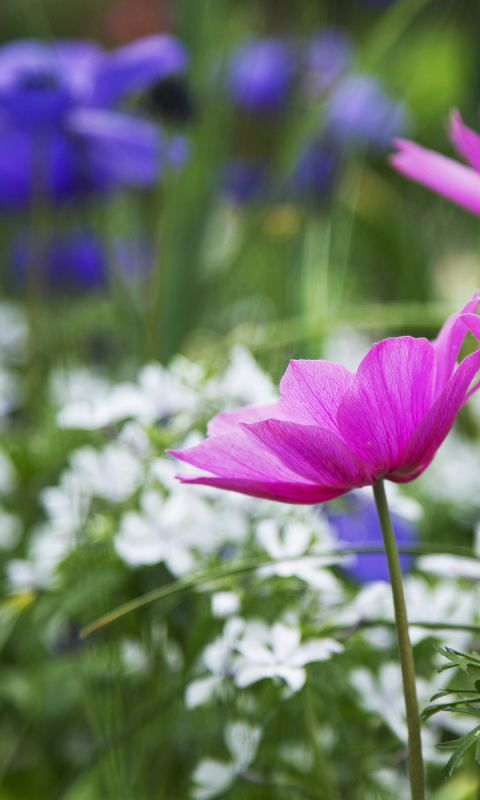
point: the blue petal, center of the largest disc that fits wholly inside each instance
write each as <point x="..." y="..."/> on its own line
<point x="136" y="66"/>
<point x="118" y="148"/>
<point x="362" y="527"/>
<point x="72" y="261"/>
<point x="38" y="166"/>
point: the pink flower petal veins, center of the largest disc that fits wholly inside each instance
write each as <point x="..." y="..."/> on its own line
<point x="228" y="421"/>
<point x="434" y="427"/>
<point x="443" y="175"/>
<point x="391" y="393"/>
<point x="466" y="141"/>
<point x="311" y="392"/>
<point x="313" y="453"/>
<point x="449" y="341"/>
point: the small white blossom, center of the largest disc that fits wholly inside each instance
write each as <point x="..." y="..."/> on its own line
<point x="224" y="604"/>
<point x="295" y="543"/>
<point x="213" y="778"/>
<point x="276" y="652"/>
<point x="113" y="473"/>
<point x="217" y="658"/>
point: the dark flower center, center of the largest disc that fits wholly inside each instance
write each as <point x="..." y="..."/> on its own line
<point x="170" y="98"/>
<point x="38" y="80"/>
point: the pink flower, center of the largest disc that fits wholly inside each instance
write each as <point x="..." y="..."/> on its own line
<point x="441" y="174"/>
<point x="333" y="430"/>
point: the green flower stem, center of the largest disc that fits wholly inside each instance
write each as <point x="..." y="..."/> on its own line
<point x="417" y="783"/>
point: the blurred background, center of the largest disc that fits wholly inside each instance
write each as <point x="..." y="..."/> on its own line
<point x="179" y="178"/>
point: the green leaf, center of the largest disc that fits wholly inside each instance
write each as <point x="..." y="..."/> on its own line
<point x="460" y="747"/>
<point x="461" y="660"/>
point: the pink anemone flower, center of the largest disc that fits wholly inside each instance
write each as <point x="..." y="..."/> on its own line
<point x="456" y="181"/>
<point x="333" y="430"/>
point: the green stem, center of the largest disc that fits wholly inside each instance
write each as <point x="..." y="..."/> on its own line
<point x="404" y="645"/>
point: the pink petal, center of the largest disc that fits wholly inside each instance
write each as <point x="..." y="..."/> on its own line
<point x="228" y="421"/>
<point x="236" y="455"/>
<point x="434" y="427"/>
<point x="443" y="175"/>
<point x="314" y="453"/>
<point x="241" y="463"/>
<point x="448" y="343"/>
<point x="391" y="393"/>
<point x="283" y="492"/>
<point x="466" y="141"/>
<point x="311" y="392"/>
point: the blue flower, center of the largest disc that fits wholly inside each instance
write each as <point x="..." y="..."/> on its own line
<point x="360" y="111"/>
<point x="71" y="262"/>
<point x="59" y="133"/>
<point x="243" y="180"/>
<point x="328" y="54"/>
<point x="79" y="260"/>
<point x="360" y="525"/>
<point x="314" y="172"/>
<point x="260" y="74"/>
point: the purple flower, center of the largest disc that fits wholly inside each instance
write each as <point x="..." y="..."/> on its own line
<point x="243" y="180"/>
<point x="260" y="74"/>
<point x="315" y="171"/>
<point x="443" y="175"/>
<point x="57" y="140"/>
<point x="78" y="260"/>
<point x="328" y="54"/>
<point x="359" y="525"/>
<point x="74" y="261"/>
<point x="359" y="111"/>
<point x="333" y="430"/>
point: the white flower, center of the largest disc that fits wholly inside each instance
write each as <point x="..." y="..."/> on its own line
<point x="134" y="656"/>
<point x="113" y="473"/>
<point x="276" y="652"/>
<point x="168" y="530"/>
<point x="13" y="331"/>
<point x="242" y="383"/>
<point x="156" y="394"/>
<point x="224" y="604"/>
<point x="383" y="695"/>
<point x="217" y="658"/>
<point x="346" y="347"/>
<point x="445" y="601"/>
<point x="454" y="475"/>
<point x="450" y="566"/>
<point x="213" y="778"/>
<point x="77" y="385"/>
<point x="295" y="542"/>
<point x="47" y="548"/>
<point x="10" y="530"/>
<point x="66" y="505"/>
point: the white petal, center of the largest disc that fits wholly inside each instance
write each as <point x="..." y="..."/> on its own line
<point x="199" y="692"/>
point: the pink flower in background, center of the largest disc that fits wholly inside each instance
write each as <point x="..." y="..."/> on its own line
<point x="443" y="175"/>
<point x="333" y="430"/>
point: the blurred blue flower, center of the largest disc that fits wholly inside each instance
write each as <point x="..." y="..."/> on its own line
<point x="59" y="136"/>
<point x="360" y="525"/>
<point x="73" y="261"/>
<point x="79" y="260"/>
<point x="314" y="172"/>
<point x="328" y="54"/>
<point x="243" y="180"/>
<point x="260" y="74"/>
<point x="360" y="111"/>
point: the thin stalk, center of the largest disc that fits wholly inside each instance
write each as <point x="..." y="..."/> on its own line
<point x="417" y="782"/>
